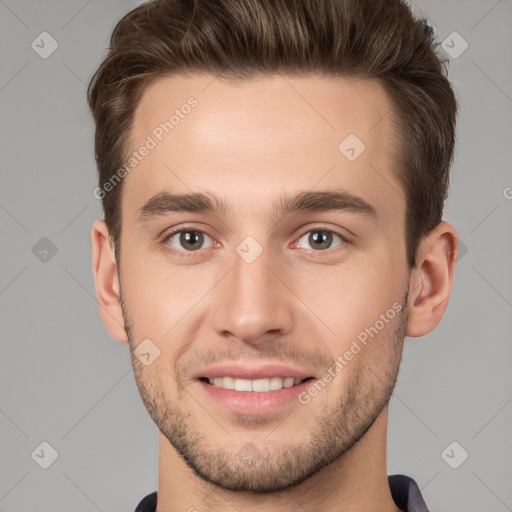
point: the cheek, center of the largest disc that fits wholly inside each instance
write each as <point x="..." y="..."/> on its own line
<point x="157" y="293"/>
<point x="346" y="299"/>
<point x="146" y="292"/>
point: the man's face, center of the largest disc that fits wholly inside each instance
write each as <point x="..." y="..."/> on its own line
<point x="254" y="285"/>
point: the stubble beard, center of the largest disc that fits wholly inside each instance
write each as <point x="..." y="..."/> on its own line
<point x="265" y="469"/>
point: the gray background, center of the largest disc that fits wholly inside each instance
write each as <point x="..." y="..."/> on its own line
<point x="63" y="380"/>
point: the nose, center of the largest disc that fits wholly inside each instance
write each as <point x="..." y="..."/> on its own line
<point x="254" y="300"/>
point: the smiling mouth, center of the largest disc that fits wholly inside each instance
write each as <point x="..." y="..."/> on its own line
<point x="254" y="385"/>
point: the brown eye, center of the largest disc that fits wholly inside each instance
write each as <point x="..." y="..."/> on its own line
<point x="187" y="240"/>
<point x="320" y="239"/>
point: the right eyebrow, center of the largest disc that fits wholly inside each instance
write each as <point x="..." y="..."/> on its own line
<point x="163" y="203"/>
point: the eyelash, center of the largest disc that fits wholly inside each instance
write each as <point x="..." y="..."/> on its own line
<point x="192" y="254"/>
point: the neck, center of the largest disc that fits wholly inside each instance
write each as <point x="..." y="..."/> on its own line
<point x="354" y="482"/>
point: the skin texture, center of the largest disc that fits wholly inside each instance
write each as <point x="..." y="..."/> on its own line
<point x="296" y="304"/>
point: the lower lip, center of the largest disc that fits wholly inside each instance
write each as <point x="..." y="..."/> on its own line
<point x="253" y="402"/>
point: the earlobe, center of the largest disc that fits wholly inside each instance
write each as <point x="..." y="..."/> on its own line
<point x="431" y="280"/>
<point x="106" y="281"/>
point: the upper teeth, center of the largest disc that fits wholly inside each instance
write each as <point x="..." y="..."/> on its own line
<point x="258" y="385"/>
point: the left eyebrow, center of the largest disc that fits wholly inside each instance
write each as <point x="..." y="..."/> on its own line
<point x="324" y="201"/>
<point x="321" y="201"/>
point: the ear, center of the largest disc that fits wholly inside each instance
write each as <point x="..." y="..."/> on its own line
<point x="107" y="281"/>
<point x="431" y="279"/>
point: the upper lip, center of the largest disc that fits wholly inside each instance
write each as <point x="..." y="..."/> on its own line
<point x="239" y="371"/>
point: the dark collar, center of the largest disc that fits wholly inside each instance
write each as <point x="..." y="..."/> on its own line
<point x="404" y="490"/>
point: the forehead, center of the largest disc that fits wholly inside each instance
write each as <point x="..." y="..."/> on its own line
<point x="275" y="133"/>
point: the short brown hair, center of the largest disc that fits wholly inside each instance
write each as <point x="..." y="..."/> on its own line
<point x="241" y="39"/>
